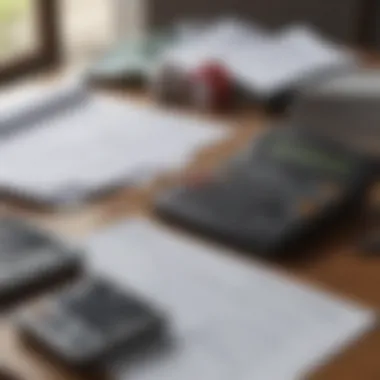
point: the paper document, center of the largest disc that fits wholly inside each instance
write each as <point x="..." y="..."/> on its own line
<point x="229" y="320"/>
<point x="24" y="105"/>
<point x="217" y="42"/>
<point x="264" y="63"/>
<point x="289" y="58"/>
<point x="100" y="143"/>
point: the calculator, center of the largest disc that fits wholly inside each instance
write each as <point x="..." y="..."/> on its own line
<point x="84" y="324"/>
<point x="283" y="188"/>
<point x="31" y="259"/>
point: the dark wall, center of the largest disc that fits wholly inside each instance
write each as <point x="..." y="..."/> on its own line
<point x="371" y="24"/>
<point x="339" y="19"/>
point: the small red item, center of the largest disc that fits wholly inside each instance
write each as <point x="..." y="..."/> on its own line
<point x="211" y="87"/>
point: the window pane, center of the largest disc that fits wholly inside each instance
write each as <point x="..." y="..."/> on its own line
<point x="19" y="34"/>
<point x="88" y="27"/>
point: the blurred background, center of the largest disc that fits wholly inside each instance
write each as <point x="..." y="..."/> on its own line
<point x="36" y="32"/>
<point x="86" y="28"/>
<point x="18" y="25"/>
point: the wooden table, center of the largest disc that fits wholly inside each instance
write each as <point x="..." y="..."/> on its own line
<point x="338" y="265"/>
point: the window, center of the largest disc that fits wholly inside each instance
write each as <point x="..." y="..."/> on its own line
<point x="88" y="28"/>
<point x="28" y="36"/>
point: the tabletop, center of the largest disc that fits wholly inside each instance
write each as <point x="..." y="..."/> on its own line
<point x="337" y="264"/>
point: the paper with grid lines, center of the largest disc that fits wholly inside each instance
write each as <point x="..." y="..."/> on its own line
<point x="229" y="321"/>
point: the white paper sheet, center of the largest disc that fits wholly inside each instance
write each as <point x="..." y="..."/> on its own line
<point x="22" y="104"/>
<point x="229" y="321"/>
<point x="216" y="42"/>
<point x="291" y="56"/>
<point x="264" y="63"/>
<point x="100" y="143"/>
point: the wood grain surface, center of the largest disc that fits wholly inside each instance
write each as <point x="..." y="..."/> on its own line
<point x="336" y="265"/>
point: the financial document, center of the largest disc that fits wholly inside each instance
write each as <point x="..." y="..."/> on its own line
<point x="228" y="320"/>
<point x="98" y="144"/>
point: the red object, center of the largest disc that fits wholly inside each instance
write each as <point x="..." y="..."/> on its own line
<point x="211" y="87"/>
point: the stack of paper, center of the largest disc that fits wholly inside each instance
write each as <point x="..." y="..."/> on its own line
<point x="217" y="42"/>
<point x="264" y="63"/>
<point x="99" y="143"/>
<point x="228" y="321"/>
<point x="292" y="56"/>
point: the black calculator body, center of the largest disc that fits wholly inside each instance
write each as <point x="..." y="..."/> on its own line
<point x="85" y="324"/>
<point x="31" y="259"/>
<point x="286" y="186"/>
